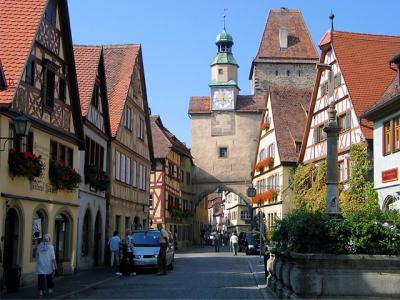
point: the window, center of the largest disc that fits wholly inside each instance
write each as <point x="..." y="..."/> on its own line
<point x="262" y="154"/>
<point x="397" y="133"/>
<point x="62" y="90"/>
<point x="133" y="173"/>
<point x="337" y="80"/>
<point x="220" y="71"/>
<point x="62" y="237"/>
<point x="117" y="165"/>
<point x="342" y="173"/>
<point x="59" y="152"/>
<point x="141" y="128"/>
<point x="223" y="152"/>
<point x="30" y="72"/>
<point x="127" y="118"/>
<point x="319" y="134"/>
<point x="39" y="227"/>
<point x="118" y="223"/>
<point x="188" y="178"/>
<point x="331" y="87"/>
<point x="244" y="215"/>
<point x="96" y="96"/>
<point x="324" y="88"/>
<point x="387" y="135"/>
<point x="51" y="12"/>
<point x="344" y="122"/>
<point x="271" y="150"/>
<point x="94" y="154"/>
<point x="151" y="201"/>
<point x="127" y="223"/>
<point x="298" y="147"/>
<point x="287" y="73"/>
<point x="182" y="176"/>
<point x="48" y="87"/>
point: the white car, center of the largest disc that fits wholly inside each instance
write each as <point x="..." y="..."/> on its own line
<point x="147" y="247"/>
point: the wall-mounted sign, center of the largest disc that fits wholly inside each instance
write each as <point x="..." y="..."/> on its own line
<point x="251" y="192"/>
<point x="389" y="175"/>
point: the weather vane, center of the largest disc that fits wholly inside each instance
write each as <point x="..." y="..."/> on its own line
<point x="225" y="10"/>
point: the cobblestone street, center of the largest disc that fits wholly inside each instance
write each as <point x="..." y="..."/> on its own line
<point x="199" y="273"/>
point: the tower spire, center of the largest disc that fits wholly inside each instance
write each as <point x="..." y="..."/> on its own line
<point x="331" y="17"/>
<point x="224" y="16"/>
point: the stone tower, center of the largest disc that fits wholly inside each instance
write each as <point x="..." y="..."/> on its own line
<point x="286" y="55"/>
<point x="224" y="127"/>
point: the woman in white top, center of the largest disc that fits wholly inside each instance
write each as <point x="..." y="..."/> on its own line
<point x="45" y="264"/>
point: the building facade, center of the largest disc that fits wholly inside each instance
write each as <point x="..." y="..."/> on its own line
<point x="131" y="149"/>
<point x="385" y="114"/>
<point x="93" y="165"/>
<point x="238" y="213"/>
<point x="39" y="186"/>
<point x="279" y="146"/>
<point x="342" y="80"/>
<point x="171" y="192"/>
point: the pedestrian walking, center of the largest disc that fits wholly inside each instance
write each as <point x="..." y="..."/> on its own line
<point x="162" y="255"/>
<point x="234" y="243"/>
<point x="115" y="244"/>
<point x="217" y="242"/>
<point x="202" y="233"/>
<point x="45" y="265"/>
<point x="127" y="265"/>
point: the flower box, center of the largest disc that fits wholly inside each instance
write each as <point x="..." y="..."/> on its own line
<point x="96" y="178"/>
<point x="259" y="167"/>
<point x="63" y="177"/>
<point x="265" y="126"/>
<point x="25" y="164"/>
<point x="328" y="276"/>
<point x="268" y="162"/>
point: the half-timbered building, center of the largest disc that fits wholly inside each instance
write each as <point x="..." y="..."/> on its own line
<point x="38" y="173"/>
<point x="131" y="144"/>
<point x="93" y="164"/>
<point x="385" y="114"/>
<point x="352" y="74"/>
<point x="172" y="201"/>
<point x="281" y="134"/>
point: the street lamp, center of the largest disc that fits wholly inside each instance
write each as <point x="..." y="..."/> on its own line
<point x="22" y="125"/>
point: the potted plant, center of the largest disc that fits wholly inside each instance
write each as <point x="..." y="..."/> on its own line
<point x="25" y="164"/>
<point x="63" y="177"/>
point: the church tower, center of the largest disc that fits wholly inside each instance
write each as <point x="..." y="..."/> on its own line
<point x="224" y="69"/>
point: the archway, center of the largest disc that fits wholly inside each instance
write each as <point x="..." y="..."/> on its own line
<point x="62" y="238"/>
<point x="97" y="240"/>
<point x="86" y="228"/>
<point x="11" y="238"/>
<point x="387" y="202"/>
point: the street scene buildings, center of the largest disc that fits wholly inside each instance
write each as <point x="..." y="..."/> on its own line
<point x="84" y="159"/>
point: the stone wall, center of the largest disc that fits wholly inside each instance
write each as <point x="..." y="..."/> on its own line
<point x="287" y="74"/>
<point x="328" y="276"/>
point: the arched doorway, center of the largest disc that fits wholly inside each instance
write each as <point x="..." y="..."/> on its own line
<point x="62" y="239"/>
<point x="97" y="240"/>
<point x="387" y="202"/>
<point x="11" y="238"/>
<point x="136" y="223"/>
<point x="85" y="243"/>
<point x="39" y="228"/>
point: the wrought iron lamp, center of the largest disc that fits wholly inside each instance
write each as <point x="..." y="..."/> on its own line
<point x="22" y="125"/>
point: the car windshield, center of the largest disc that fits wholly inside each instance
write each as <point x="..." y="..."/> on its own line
<point x="146" y="239"/>
<point x="253" y="237"/>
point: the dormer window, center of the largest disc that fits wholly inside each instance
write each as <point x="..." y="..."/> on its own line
<point x="283" y="38"/>
<point x="30" y="72"/>
<point x="96" y="96"/>
<point x="3" y="83"/>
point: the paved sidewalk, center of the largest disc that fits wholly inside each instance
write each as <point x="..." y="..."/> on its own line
<point x="68" y="284"/>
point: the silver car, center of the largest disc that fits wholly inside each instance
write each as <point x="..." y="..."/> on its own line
<point x="147" y="248"/>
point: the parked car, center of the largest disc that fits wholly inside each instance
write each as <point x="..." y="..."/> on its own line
<point x="147" y="248"/>
<point x="249" y="242"/>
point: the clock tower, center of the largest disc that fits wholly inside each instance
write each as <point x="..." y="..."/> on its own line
<point x="224" y="87"/>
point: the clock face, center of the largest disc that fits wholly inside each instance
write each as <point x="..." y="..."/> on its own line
<point x="223" y="99"/>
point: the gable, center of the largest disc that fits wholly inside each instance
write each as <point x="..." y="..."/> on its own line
<point x="135" y="87"/>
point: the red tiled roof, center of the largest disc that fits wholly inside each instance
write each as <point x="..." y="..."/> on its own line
<point x="86" y="62"/>
<point x="201" y="104"/>
<point x="300" y="45"/>
<point x="19" y="21"/>
<point x="288" y="105"/>
<point x="119" y="62"/>
<point x="363" y="60"/>
<point x="164" y="140"/>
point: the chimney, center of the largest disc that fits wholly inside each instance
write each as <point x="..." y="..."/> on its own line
<point x="283" y="38"/>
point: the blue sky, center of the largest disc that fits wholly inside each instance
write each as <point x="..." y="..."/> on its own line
<point x="178" y="37"/>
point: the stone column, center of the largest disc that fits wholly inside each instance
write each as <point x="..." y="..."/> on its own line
<point x="332" y="178"/>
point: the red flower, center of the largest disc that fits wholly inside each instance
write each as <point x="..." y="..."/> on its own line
<point x="13" y="150"/>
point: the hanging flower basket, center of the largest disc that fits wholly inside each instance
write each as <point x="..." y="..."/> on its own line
<point x="265" y="126"/>
<point x="97" y="178"/>
<point x="25" y="164"/>
<point x="63" y="177"/>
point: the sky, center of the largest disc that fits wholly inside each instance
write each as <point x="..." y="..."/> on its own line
<point x="178" y="38"/>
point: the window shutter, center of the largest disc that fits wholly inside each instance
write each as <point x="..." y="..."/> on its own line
<point x="315" y="133"/>
<point x="123" y="160"/>
<point x="117" y="165"/>
<point x="347" y="120"/>
<point x="330" y="83"/>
